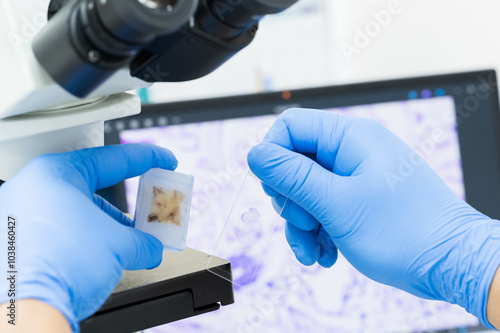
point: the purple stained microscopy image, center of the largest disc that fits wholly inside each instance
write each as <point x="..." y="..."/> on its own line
<point x="244" y="270"/>
<point x="284" y="296"/>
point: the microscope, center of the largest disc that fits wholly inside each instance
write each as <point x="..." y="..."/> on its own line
<point x="68" y="65"/>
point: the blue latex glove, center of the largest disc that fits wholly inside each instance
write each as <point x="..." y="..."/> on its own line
<point x="72" y="245"/>
<point x="354" y="185"/>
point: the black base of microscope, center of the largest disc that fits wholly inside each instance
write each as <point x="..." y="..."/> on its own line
<point x="181" y="287"/>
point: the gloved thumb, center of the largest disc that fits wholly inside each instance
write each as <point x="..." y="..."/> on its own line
<point x="296" y="177"/>
<point x="141" y="251"/>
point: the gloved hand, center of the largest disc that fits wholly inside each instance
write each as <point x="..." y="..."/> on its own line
<point x="72" y="246"/>
<point x="355" y="186"/>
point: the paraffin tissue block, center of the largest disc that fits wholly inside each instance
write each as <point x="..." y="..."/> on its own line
<point x="163" y="205"/>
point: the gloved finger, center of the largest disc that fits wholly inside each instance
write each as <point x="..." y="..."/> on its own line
<point x="303" y="244"/>
<point x="138" y="250"/>
<point x="269" y="191"/>
<point x="298" y="217"/>
<point x="297" y="177"/>
<point x="294" y="214"/>
<point x="106" y="166"/>
<point x="329" y="252"/>
<point x="112" y="211"/>
<point x="303" y="131"/>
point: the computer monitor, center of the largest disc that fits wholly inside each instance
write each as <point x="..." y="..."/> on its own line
<point x="211" y="139"/>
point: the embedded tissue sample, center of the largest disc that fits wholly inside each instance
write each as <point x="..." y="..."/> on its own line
<point x="166" y="207"/>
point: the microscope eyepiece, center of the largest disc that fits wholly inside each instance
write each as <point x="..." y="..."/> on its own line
<point x="95" y="38"/>
<point x="87" y="41"/>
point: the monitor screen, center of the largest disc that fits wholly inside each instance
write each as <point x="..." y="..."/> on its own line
<point x="211" y="140"/>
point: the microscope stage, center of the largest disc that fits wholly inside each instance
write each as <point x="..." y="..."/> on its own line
<point x="179" y="288"/>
